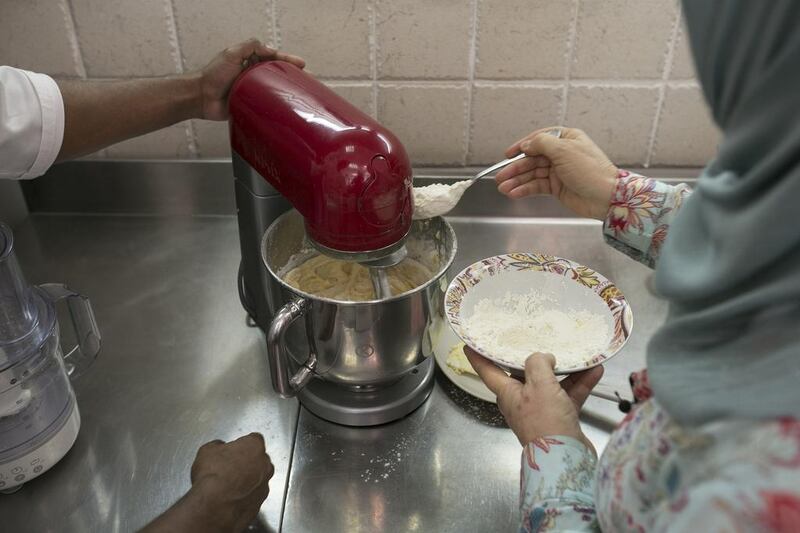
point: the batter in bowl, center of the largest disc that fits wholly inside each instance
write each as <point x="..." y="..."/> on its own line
<point x="324" y="276"/>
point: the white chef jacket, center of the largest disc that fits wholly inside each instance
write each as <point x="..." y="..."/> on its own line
<point x="31" y="123"/>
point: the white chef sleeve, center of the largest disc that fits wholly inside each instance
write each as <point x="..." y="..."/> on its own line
<point x="31" y="123"/>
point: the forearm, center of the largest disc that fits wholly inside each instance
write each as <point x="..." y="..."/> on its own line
<point x="196" y="512"/>
<point x="557" y="486"/>
<point x="639" y="216"/>
<point x="100" y="113"/>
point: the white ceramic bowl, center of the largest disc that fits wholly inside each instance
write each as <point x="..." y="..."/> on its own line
<point x="571" y="284"/>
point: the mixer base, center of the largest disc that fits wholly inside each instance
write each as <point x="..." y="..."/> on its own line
<point x="369" y="408"/>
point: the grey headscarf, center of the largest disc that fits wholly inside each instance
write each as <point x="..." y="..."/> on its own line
<point x="730" y="267"/>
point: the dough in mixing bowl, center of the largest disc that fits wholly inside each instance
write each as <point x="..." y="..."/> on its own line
<point x="344" y="280"/>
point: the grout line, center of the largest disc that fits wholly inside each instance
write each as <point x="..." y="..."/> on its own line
<point x="345" y="78"/>
<point x="172" y="33"/>
<point x="473" y="55"/>
<point x="683" y="84"/>
<point x="519" y="81"/>
<point x="373" y="54"/>
<point x="336" y="82"/>
<point x="276" y="34"/>
<point x="372" y="9"/>
<point x="665" y="72"/>
<point x="72" y="36"/>
<point x="191" y="136"/>
<point x="422" y="79"/>
<point x="423" y="83"/>
<point x="571" y="38"/>
<point x="177" y="56"/>
<point x="648" y="84"/>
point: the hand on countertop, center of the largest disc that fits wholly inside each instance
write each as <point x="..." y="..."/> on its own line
<point x="230" y="481"/>
<point x="235" y="476"/>
<point x="541" y="406"/>
<point x="218" y="76"/>
<point x="572" y="168"/>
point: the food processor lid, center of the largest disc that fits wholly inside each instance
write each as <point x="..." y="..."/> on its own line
<point x="26" y="316"/>
<point x="43" y="320"/>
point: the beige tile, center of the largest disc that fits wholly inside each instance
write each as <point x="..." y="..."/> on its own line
<point x="622" y="38"/>
<point x="426" y="39"/>
<point x="686" y="133"/>
<point x="501" y="115"/>
<point x="429" y="120"/>
<point x="682" y="61"/>
<point x="360" y="95"/>
<point x="206" y="27"/>
<point x="168" y="143"/>
<point x="522" y="38"/>
<point x="33" y="36"/>
<point x="123" y="38"/>
<point x="618" y="119"/>
<point x="212" y="138"/>
<point x="332" y="36"/>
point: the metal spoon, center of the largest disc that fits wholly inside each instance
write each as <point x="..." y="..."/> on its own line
<point x="496" y="166"/>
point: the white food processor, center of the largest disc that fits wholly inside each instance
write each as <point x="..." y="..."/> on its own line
<point x="39" y="418"/>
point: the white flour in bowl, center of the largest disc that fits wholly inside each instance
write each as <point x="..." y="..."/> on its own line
<point x="513" y="327"/>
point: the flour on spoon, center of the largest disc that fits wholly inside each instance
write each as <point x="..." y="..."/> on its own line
<point x="437" y="199"/>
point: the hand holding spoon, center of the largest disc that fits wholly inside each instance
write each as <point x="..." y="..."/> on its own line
<point x="439" y="199"/>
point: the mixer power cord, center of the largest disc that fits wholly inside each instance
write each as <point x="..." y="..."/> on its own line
<point x="246" y="304"/>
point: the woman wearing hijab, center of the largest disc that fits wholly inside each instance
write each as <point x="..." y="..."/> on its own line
<point x="713" y="442"/>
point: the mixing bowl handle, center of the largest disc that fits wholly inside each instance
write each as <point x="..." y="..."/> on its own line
<point x="278" y="362"/>
<point x="83" y="354"/>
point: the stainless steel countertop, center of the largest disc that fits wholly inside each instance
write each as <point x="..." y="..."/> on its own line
<point x="179" y="367"/>
<point x="452" y="466"/>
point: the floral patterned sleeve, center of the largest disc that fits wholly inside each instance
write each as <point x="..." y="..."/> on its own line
<point x="640" y="213"/>
<point x="557" y="486"/>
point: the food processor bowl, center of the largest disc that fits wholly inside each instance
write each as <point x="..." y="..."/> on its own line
<point x="39" y="418"/>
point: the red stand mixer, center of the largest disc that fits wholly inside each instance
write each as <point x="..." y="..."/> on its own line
<point x="346" y="174"/>
<point x="298" y="144"/>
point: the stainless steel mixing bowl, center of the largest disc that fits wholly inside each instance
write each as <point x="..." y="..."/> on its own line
<point x="358" y="345"/>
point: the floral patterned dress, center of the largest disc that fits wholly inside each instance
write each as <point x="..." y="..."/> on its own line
<point x="655" y="475"/>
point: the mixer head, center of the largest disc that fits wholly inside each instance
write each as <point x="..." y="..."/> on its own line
<point x="346" y="174"/>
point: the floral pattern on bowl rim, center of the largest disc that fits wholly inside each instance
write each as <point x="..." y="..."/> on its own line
<point x="492" y="266"/>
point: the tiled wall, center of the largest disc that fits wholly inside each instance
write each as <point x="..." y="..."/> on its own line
<point x="457" y="80"/>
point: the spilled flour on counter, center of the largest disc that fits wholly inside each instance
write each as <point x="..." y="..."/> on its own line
<point x="385" y="465"/>
<point x="516" y="325"/>
<point x="437" y="199"/>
